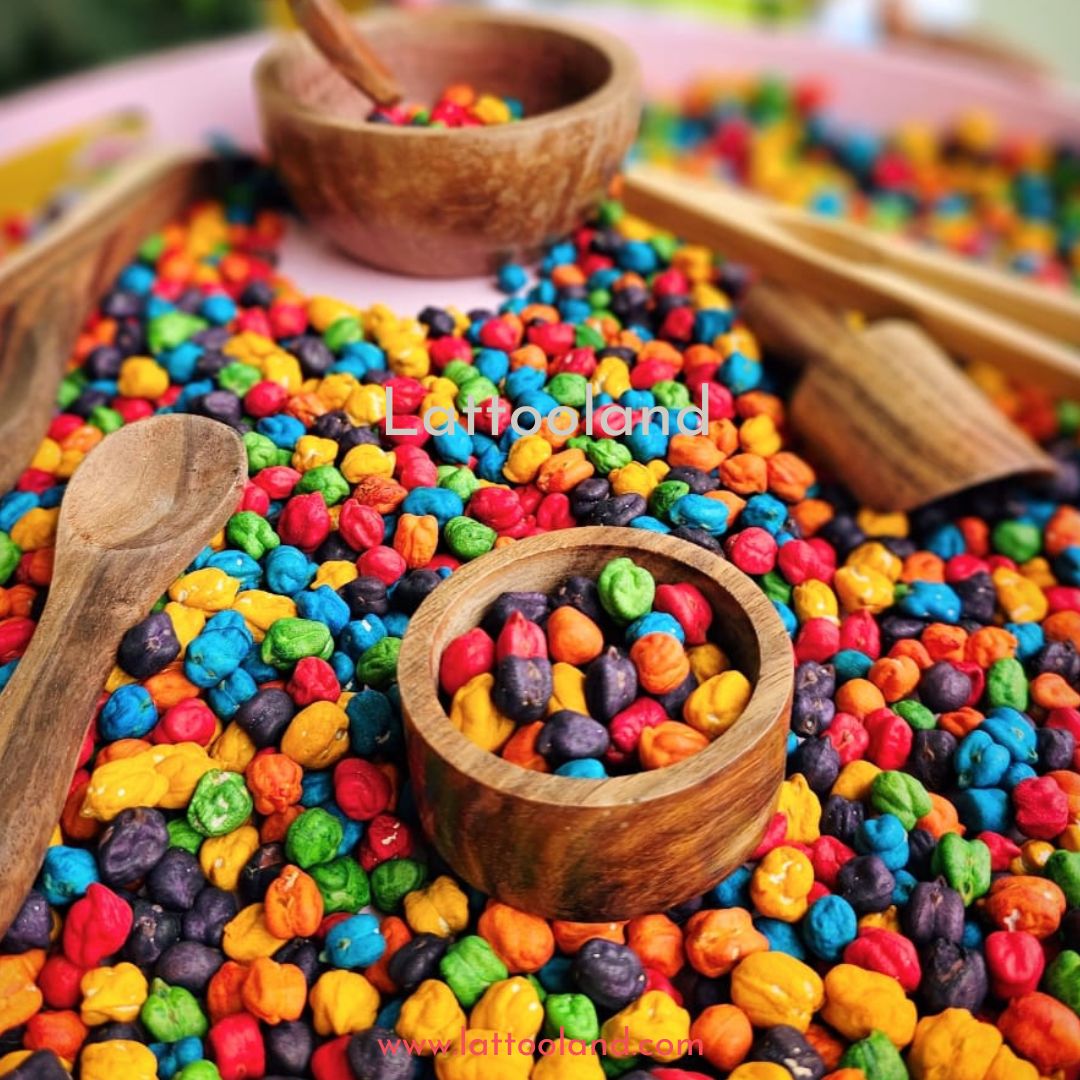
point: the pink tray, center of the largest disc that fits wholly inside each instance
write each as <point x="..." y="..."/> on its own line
<point x="191" y="93"/>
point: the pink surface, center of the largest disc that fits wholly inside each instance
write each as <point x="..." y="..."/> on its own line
<point x="192" y="93"/>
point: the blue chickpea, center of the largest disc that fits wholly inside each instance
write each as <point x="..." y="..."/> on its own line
<point x="765" y="511"/>
<point x="740" y="374"/>
<point x="1030" y="638"/>
<point x="129" y="713"/>
<point x="361" y="634"/>
<point x="253" y="664"/>
<point x="67" y="873"/>
<point x="1014" y="731"/>
<point x="983" y="809"/>
<point x="372" y="722"/>
<point x="885" y="837"/>
<point x="646" y="442"/>
<point x="851" y="664"/>
<point x="1017" y="771"/>
<point x="583" y="769"/>
<point x="734" y="890"/>
<point x="215" y="653"/>
<point x="490" y="464"/>
<point x="700" y="512"/>
<point x="654" y="622"/>
<point x="281" y="430"/>
<point x="787" y="617"/>
<point x="14" y="506"/>
<point x="344" y="668"/>
<point x="325" y="606"/>
<point x="389" y="1013"/>
<point x="522" y="381"/>
<point x="651" y="524"/>
<point x="239" y="565"/>
<point x="493" y="364"/>
<point x="351" y="831"/>
<point x="441" y="503"/>
<point x="365" y="355"/>
<point x="979" y="761"/>
<point x="556" y="975"/>
<point x="931" y="600"/>
<point x="355" y="942"/>
<point x="396" y="623"/>
<point x="709" y="323"/>
<point x="511" y="278"/>
<point x="783" y="937"/>
<point x="288" y="570"/>
<point x="829" y="927"/>
<point x="231" y="693"/>
<point x="316" y="788"/>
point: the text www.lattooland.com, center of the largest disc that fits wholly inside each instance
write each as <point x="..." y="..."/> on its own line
<point x="494" y="1045"/>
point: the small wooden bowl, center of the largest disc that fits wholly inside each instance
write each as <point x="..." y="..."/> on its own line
<point x="452" y="202"/>
<point x="609" y="849"/>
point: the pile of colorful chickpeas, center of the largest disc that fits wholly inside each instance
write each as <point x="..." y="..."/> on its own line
<point x="238" y="886"/>
<point x="458" y="106"/>
<point x="972" y="189"/>
<point x="603" y="676"/>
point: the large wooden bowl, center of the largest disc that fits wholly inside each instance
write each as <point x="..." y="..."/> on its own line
<point x="448" y="203"/>
<point x="591" y="850"/>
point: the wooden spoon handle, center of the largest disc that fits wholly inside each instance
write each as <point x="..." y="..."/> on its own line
<point x="332" y="32"/>
<point x="702" y="212"/>
<point x="58" y="679"/>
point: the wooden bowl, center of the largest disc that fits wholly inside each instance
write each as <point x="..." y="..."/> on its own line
<point x="452" y="202"/>
<point x="609" y="849"/>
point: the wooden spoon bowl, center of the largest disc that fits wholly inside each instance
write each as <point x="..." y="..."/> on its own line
<point x="140" y="507"/>
<point x="452" y="202"/>
<point x="609" y="849"/>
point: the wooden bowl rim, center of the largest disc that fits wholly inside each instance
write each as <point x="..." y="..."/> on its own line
<point x="775" y="680"/>
<point x="625" y="73"/>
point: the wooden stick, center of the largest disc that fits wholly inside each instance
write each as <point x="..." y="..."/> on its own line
<point x="332" y="32"/>
<point x="1053" y="312"/>
<point x="705" y="213"/>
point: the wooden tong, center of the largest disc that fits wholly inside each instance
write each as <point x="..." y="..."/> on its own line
<point x="976" y="313"/>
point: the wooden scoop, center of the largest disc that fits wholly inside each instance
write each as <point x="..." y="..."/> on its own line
<point x="886" y="409"/>
<point x="332" y="32"/>
<point x="140" y="507"/>
<point x="48" y="288"/>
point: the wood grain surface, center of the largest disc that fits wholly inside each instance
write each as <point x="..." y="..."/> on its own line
<point x="608" y="849"/>
<point x="886" y="409"/>
<point x="48" y="288"/>
<point x="704" y="212"/>
<point x="139" y="508"/>
<point x="452" y="202"/>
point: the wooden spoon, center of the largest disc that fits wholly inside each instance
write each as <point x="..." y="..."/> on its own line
<point x="886" y="409"/>
<point x="332" y="32"/>
<point x="140" y="507"/>
<point x="48" y="288"/>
